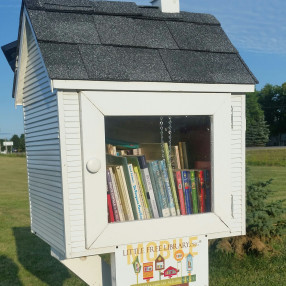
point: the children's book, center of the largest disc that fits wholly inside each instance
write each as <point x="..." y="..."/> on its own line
<point x="171" y="178"/>
<point x="112" y="195"/>
<point x="165" y="177"/>
<point x="187" y="190"/>
<point x="161" y="188"/>
<point x="148" y="185"/>
<point x="194" y="194"/>
<point x="180" y="189"/>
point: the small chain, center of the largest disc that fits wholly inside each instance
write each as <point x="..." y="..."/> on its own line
<point x="169" y="136"/>
<point x="162" y="136"/>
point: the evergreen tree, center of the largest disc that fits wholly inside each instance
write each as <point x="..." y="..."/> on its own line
<point x="273" y="101"/>
<point x="22" y="146"/>
<point x="16" y="141"/>
<point x="257" y="132"/>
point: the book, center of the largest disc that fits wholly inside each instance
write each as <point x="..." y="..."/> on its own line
<point x="148" y="185"/>
<point x="141" y="193"/>
<point x="161" y="188"/>
<point x="202" y="190"/>
<point x="208" y="190"/>
<point x="176" y="164"/>
<point x="179" y="184"/>
<point x="165" y="177"/>
<point x="125" y="195"/>
<point x="137" y="152"/>
<point x="136" y="192"/>
<point x="185" y="155"/>
<point x="181" y="155"/>
<point x="134" y="161"/>
<point x="156" y="191"/>
<point x="110" y="210"/>
<point x="112" y="195"/>
<point x="117" y="196"/>
<point x="152" y="151"/>
<point x="194" y="194"/>
<point x="122" y="161"/>
<point x="120" y="190"/>
<point x="187" y="191"/>
<point x="171" y="178"/>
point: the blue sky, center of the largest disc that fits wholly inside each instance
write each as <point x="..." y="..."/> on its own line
<point x="257" y="28"/>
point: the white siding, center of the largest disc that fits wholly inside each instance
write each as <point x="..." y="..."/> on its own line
<point x="238" y="164"/>
<point x="69" y="114"/>
<point x="43" y="149"/>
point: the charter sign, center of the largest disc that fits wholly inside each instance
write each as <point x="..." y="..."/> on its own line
<point x="176" y="262"/>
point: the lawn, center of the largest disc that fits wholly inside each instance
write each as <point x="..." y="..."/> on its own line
<point x="25" y="259"/>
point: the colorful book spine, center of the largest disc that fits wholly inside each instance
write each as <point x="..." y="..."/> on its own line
<point x="109" y="206"/>
<point x="161" y="188"/>
<point x="163" y="169"/>
<point x="171" y="178"/>
<point x="208" y="190"/>
<point x="112" y="195"/>
<point x="187" y="191"/>
<point x="142" y="192"/>
<point x="179" y="181"/>
<point x="126" y="195"/>
<point x="185" y="155"/>
<point x="176" y="158"/>
<point x="148" y="185"/>
<point x="194" y="194"/>
<point x="202" y="191"/>
<point x="156" y="192"/>
<point x="181" y="155"/>
<point x="136" y="193"/>
<point x="117" y="195"/>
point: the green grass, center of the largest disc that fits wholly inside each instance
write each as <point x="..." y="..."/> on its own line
<point x="228" y="270"/>
<point x="262" y="157"/>
<point x="24" y="258"/>
<point x="26" y="261"/>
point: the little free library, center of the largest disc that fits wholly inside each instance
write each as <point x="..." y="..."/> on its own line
<point x="134" y="121"/>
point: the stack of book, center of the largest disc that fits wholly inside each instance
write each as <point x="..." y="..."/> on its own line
<point x="139" y="187"/>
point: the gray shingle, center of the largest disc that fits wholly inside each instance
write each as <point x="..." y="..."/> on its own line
<point x="123" y="64"/>
<point x="116" y="8"/>
<point x="196" y="37"/>
<point x="68" y="5"/>
<point x="125" y="31"/>
<point x="199" y="18"/>
<point x="63" y="61"/>
<point x="203" y="67"/>
<point x="64" y="27"/>
<point x="124" y="42"/>
<point x="155" y="13"/>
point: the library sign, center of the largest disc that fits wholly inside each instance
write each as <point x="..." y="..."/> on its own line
<point x="176" y="262"/>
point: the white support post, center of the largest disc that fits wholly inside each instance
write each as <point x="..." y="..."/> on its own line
<point x="89" y="269"/>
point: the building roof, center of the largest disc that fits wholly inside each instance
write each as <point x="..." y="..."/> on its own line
<point x="120" y="41"/>
<point x="10" y="52"/>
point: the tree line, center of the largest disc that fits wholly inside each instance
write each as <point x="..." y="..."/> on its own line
<point x="18" y="143"/>
<point x="265" y="114"/>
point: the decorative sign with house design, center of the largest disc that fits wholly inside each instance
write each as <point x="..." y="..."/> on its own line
<point x="176" y="262"/>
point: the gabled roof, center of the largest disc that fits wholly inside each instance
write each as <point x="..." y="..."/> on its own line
<point x="10" y="52"/>
<point x="120" y="41"/>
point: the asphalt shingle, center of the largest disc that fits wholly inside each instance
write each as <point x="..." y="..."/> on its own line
<point x="190" y="36"/>
<point x="137" y="32"/>
<point x="201" y="67"/>
<point x="64" y="27"/>
<point x="63" y="61"/>
<point x="116" y="8"/>
<point x="123" y="64"/>
<point x="120" y="41"/>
